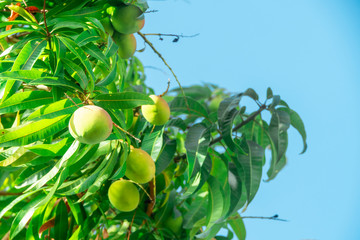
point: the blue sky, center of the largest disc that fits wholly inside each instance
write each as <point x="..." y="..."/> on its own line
<point x="308" y="52"/>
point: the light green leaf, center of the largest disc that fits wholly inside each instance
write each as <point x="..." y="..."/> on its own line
<point x="33" y="132"/>
<point x="122" y="100"/>
<point x="25" y="100"/>
<point x="76" y="72"/>
<point x="178" y="105"/>
<point x="237" y="225"/>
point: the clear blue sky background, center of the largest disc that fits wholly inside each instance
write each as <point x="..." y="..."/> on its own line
<point x="308" y="51"/>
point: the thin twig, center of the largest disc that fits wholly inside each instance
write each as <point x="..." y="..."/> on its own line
<point x="2" y="193"/>
<point x="151" y="205"/>
<point x="167" y="89"/>
<point x="250" y="118"/>
<point x="123" y="130"/>
<point x="130" y="226"/>
<point x="164" y="61"/>
<point x="275" y="218"/>
<point x="72" y="100"/>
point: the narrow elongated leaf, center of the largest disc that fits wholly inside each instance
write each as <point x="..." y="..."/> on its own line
<point x="24" y="215"/>
<point x="55" y="109"/>
<point x="76" y="72"/>
<point x="111" y="48"/>
<point x="195" y="212"/>
<point x="252" y="165"/>
<point x="61" y="221"/>
<point x="226" y="114"/>
<point x="178" y="105"/>
<point x="70" y="153"/>
<point x="4" y="34"/>
<point x="88" y="36"/>
<point x="29" y="54"/>
<point x="79" y="53"/>
<point x="237" y="225"/>
<point x="216" y="202"/>
<point x="24" y="75"/>
<point x="103" y="176"/>
<point x="110" y="77"/>
<point x="94" y="51"/>
<point x="166" y="155"/>
<point x="122" y="100"/>
<point x="68" y="24"/>
<point x="25" y="100"/>
<point x="196" y="144"/>
<point x="152" y="143"/>
<point x="33" y="132"/>
<point x="298" y="124"/>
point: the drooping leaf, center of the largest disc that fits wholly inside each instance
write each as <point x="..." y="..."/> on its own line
<point x="178" y="105"/>
<point x="196" y="144"/>
<point x="238" y="226"/>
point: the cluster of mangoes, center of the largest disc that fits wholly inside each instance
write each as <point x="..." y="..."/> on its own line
<point x="121" y="24"/>
<point x="91" y="124"/>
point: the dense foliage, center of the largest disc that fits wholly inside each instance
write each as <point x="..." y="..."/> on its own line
<point x="58" y="56"/>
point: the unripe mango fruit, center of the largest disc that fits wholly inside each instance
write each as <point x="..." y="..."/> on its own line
<point x="157" y="114"/>
<point x="140" y="167"/>
<point x="124" y="195"/>
<point x="127" y="19"/>
<point x="174" y="224"/>
<point x="126" y="43"/>
<point x="90" y="124"/>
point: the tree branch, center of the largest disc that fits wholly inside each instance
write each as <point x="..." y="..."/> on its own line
<point x="3" y="193"/>
<point x="237" y="127"/>
<point x="275" y="218"/>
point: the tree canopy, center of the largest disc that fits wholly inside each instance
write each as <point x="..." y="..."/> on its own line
<point x="58" y="57"/>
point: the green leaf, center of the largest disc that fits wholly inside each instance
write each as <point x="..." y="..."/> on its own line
<point x="122" y="100"/>
<point x="15" y="201"/>
<point x="33" y="132"/>
<point x="298" y="124"/>
<point x="61" y="221"/>
<point x="55" y="109"/>
<point x="178" y="105"/>
<point x="29" y="54"/>
<point x="227" y="112"/>
<point x="196" y="211"/>
<point x="51" y="150"/>
<point x="88" y="36"/>
<point x="166" y="155"/>
<point x="76" y="72"/>
<point x="24" y="215"/>
<point x="215" y="204"/>
<point x="252" y="94"/>
<point x="94" y="51"/>
<point x="79" y="53"/>
<point x="269" y="93"/>
<point x="103" y="175"/>
<point x="25" y="100"/>
<point x="196" y="144"/>
<point x="110" y="77"/>
<point x="70" y="153"/>
<point x="68" y="24"/>
<point x="237" y="225"/>
<point x="24" y="75"/>
<point x="111" y="48"/>
<point x="4" y="34"/>
<point x="252" y="165"/>
<point x="85" y="12"/>
<point x="152" y="143"/>
<point x="22" y="12"/>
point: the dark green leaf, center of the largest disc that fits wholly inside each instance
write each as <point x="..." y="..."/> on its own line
<point x="61" y="221"/>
